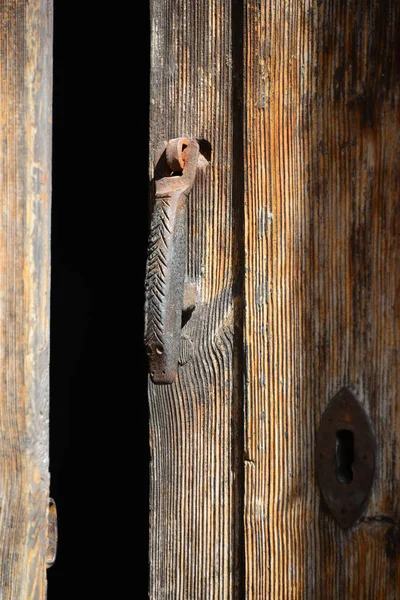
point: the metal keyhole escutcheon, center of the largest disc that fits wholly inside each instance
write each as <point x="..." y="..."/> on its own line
<point x="345" y="457"/>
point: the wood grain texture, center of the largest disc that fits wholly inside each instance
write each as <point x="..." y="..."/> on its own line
<point x="25" y="172"/>
<point x="194" y="499"/>
<point x="322" y="153"/>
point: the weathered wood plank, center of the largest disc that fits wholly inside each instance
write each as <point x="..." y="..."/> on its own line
<point x="195" y="497"/>
<point x="322" y="152"/>
<point x="25" y="155"/>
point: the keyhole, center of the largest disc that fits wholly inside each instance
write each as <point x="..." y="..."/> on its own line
<point x="344" y="455"/>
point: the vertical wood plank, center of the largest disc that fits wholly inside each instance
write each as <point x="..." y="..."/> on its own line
<point x="194" y="499"/>
<point x="25" y="181"/>
<point x="322" y="204"/>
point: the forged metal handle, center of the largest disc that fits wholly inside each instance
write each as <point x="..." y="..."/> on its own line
<point x="166" y="262"/>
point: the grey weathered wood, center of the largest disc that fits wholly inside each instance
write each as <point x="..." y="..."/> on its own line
<point x="25" y="176"/>
<point x="322" y="181"/>
<point x="195" y="472"/>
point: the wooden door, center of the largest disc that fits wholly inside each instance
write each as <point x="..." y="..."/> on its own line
<point x="293" y="244"/>
<point x="25" y="183"/>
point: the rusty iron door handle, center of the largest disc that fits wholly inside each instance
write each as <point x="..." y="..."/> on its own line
<point x="166" y="262"/>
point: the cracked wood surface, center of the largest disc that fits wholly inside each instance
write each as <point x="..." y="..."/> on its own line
<point x="25" y="181"/>
<point x="194" y="498"/>
<point x="322" y="208"/>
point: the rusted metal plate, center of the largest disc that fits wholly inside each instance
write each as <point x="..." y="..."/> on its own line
<point x="345" y="457"/>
